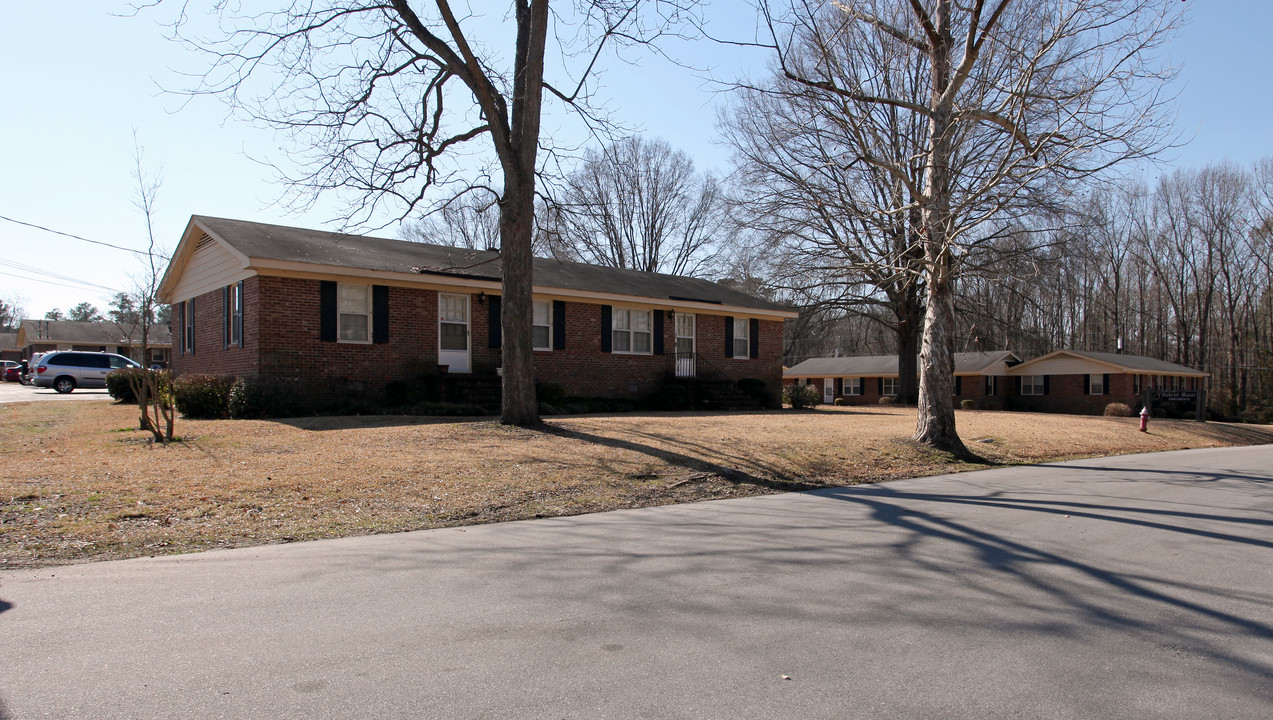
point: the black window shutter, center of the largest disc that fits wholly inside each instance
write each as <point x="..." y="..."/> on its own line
<point x="1087" y="384"/>
<point x="1105" y="386"/>
<point x="1018" y="384"/>
<point x="181" y="329"/>
<point x="238" y="317"/>
<point x="225" y="315"/>
<point x="879" y="386"/>
<point x="379" y="314"/>
<point x="494" y="333"/>
<point x="754" y="328"/>
<point x="729" y="337"/>
<point x="959" y="385"/>
<point x="607" y="329"/>
<point x="1047" y="385"/>
<point x="658" y="331"/>
<point x="839" y="386"/>
<point x="327" y="311"/>
<point x="559" y="324"/>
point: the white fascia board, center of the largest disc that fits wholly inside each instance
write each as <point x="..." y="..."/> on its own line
<point x="287" y="268"/>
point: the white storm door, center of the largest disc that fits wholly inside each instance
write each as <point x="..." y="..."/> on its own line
<point x="828" y="390"/>
<point x="685" y="366"/>
<point x="453" y="332"/>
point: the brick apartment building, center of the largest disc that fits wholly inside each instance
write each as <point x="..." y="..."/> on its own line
<point x="355" y="312"/>
<point x="1068" y="381"/>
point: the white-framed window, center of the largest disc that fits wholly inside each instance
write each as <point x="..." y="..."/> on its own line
<point x="187" y="327"/>
<point x="888" y="386"/>
<point x="353" y="313"/>
<point x="541" y="333"/>
<point x="234" y="314"/>
<point x="631" y="331"/>
<point x="1096" y="384"/>
<point x="853" y="386"/>
<point x="453" y="322"/>
<point x="1031" y="384"/>
<point x="742" y="338"/>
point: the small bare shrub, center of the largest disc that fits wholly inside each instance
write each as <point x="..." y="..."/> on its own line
<point x="800" y="396"/>
<point x="887" y="400"/>
<point x="1117" y="410"/>
<point x="967" y="404"/>
<point x="841" y="401"/>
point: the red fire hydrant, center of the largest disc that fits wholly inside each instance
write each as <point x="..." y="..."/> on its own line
<point x="1144" y="419"/>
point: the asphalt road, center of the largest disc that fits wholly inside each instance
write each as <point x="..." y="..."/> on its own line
<point x="11" y="392"/>
<point x="1133" y="587"/>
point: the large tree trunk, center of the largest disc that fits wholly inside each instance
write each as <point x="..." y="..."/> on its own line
<point x="520" y="406"/>
<point x="909" y="323"/>
<point x="935" y="425"/>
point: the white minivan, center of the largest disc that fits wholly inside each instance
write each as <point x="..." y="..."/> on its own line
<point x="68" y="369"/>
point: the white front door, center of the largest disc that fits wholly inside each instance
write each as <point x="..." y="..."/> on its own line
<point x="685" y="345"/>
<point x="453" y="332"/>
<point x="828" y="390"/>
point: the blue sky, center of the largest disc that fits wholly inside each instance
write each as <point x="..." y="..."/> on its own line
<point x="78" y="81"/>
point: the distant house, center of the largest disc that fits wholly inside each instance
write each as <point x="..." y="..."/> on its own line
<point x="1067" y="381"/>
<point x="356" y="312"/>
<point x="36" y="336"/>
<point x="9" y="349"/>
<point x="1085" y="382"/>
<point x="864" y="380"/>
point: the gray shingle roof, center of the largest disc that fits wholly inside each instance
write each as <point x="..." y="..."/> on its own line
<point x="8" y="341"/>
<point x="281" y="243"/>
<point x="90" y="333"/>
<point x="883" y="365"/>
<point x="1133" y="362"/>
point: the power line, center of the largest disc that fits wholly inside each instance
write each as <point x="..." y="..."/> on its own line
<point x="56" y="276"/>
<point x="50" y="282"/>
<point x="70" y="235"/>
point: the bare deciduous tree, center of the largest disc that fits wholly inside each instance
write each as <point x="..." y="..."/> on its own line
<point x="388" y="102"/>
<point x="638" y="204"/>
<point x="1019" y="94"/>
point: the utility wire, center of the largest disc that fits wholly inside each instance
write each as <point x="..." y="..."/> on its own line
<point x="76" y="237"/>
<point x="56" y="276"/>
<point x="51" y="282"/>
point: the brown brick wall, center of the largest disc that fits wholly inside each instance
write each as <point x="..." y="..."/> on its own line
<point x="282" y="334"/>
<point x="1065" y="395"/>
<point x="211" y="356"/>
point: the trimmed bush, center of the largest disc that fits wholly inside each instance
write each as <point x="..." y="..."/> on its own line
<point x="202" y="397"/>
<point x="800" y="396"/>
<point x="887" y="400"/>
<point x="1117" y="409"/>
<point x="267" y="397"/>
<point x="667" y="395"/>
<point x="758" y="391"/>
<point x="119" y="383"/>
<point x="550" y="393"/>
<point x="967" y="404"/>
<point x="841" y="402"/>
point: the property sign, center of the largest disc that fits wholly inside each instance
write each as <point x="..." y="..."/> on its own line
<point x="1178" y="396"/>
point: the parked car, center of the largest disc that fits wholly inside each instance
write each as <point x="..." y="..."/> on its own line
<point x="12" y="371"/>
<point x="67" y="370"/>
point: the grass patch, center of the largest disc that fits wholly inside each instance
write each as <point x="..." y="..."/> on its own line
<point x="105" y="493"/>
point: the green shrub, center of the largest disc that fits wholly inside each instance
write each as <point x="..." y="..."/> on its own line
<point x="120" y="383"/>
<point x="800" y="396"/>
<point x="967" y="404"/>
<point x="667" y="395"/>
<point x="758" y="391"/>
<point x="550" y="393"/>
<point x="267" y="397"/>
<point x="202" y="397"/>
<point x="1117" y="409"/>
<point x="546" y="409"/>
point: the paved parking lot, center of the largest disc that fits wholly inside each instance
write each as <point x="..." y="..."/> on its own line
<point x="11" y="392"/>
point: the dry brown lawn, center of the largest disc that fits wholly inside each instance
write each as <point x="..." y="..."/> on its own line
<point x="80" y="483"/>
